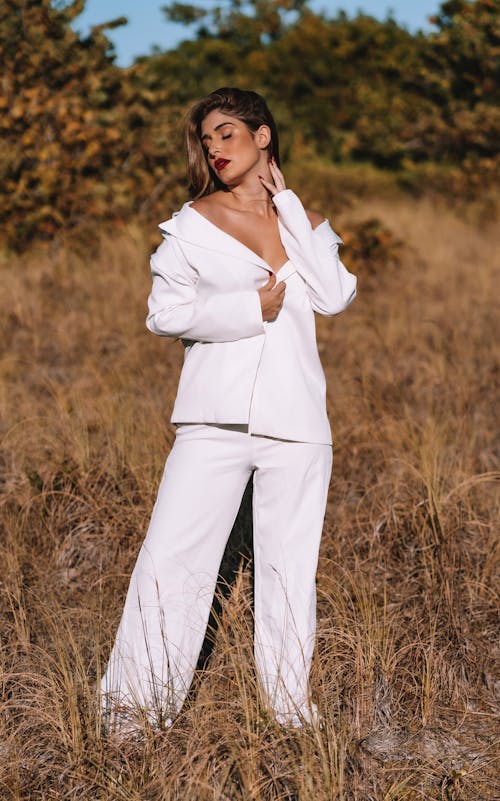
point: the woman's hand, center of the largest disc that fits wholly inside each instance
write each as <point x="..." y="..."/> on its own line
<point x="272" y="295"/>
<point x="277" y="175"/>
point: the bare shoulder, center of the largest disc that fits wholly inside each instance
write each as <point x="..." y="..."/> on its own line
<point x="200" y="203"/>
<point x="315" y="218"/>
<point x="207" y="202"/>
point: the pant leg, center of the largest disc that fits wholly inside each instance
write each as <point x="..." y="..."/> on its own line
<point x="289" y="499"/>
<point x="172" y="585"/>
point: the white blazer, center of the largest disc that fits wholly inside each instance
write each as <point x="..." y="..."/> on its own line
<point x="238" y="368"/>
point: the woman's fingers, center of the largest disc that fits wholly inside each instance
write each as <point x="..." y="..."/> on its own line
<point x="269" y="286"/>
<point x="271" y="297"/>
<point x="270" y="187"/>
<point x="279" y="178"/>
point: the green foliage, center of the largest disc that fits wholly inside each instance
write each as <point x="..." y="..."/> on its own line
<point x="461" y="70"/>
<point x="185" y="13"/>
<point x="75" y="133"/>
<point x="83" y="140"/>
<point x="247" y="23"/>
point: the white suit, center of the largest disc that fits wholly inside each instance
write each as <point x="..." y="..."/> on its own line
<point x="251" y="400"/>
<point x="237" y="368"/>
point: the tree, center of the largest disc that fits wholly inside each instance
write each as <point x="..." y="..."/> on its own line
<point x="73" y="128"/>
<point x="460" y="74"/>
<point x="84" y="142"/>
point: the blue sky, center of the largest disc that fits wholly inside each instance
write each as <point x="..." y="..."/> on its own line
<point x="148" y="25"/>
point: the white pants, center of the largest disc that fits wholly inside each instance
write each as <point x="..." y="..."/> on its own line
<point x="172" y="585"/>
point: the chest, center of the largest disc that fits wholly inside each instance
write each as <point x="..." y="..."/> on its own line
<point x="260" y="235"/>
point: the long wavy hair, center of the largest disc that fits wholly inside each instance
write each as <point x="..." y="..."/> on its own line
<point x="247" y="106"/>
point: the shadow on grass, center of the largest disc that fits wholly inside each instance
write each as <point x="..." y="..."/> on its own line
<point x="237" y="555"/>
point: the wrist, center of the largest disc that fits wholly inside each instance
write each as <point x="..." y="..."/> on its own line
<point x="283" y="195"/>
<point x="290" y="209"/>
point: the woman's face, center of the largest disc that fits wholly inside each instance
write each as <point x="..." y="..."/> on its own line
<point x="232" y="150"/>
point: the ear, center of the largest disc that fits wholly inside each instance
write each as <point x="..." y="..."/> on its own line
<point x="263" y="136"/>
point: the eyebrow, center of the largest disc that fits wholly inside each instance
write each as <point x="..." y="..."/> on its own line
<point x="220" y="125"/>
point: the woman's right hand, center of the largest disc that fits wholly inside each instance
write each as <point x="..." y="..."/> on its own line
<point x="272" y="295"/>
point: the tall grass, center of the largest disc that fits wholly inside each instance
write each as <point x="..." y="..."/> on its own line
<point x="404" y="669"/>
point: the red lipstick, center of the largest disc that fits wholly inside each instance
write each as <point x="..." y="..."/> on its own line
<point x="219" y="164"/>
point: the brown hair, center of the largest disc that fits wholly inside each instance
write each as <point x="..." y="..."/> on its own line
<point x="247" y="106"/>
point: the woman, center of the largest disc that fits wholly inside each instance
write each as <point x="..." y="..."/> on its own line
<point x="238" y="277"/>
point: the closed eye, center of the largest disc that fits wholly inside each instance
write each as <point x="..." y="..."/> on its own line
<point x="206" y="146"/>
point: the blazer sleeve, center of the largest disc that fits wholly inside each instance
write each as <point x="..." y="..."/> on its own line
<point x="176" y="308"/>
<point x="314" y="252"/>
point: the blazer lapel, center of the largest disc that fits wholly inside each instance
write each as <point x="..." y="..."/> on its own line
<point x="191" y="226"/>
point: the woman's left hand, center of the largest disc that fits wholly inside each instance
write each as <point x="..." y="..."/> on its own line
<point x="277" y="175"/>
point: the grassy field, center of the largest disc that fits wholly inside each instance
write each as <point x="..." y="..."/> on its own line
<point x="404" y="669"/>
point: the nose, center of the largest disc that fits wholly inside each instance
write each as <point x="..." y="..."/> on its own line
<point x="213" y="151"/>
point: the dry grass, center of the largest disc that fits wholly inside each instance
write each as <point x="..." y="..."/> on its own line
<point x="404" y="670"/>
